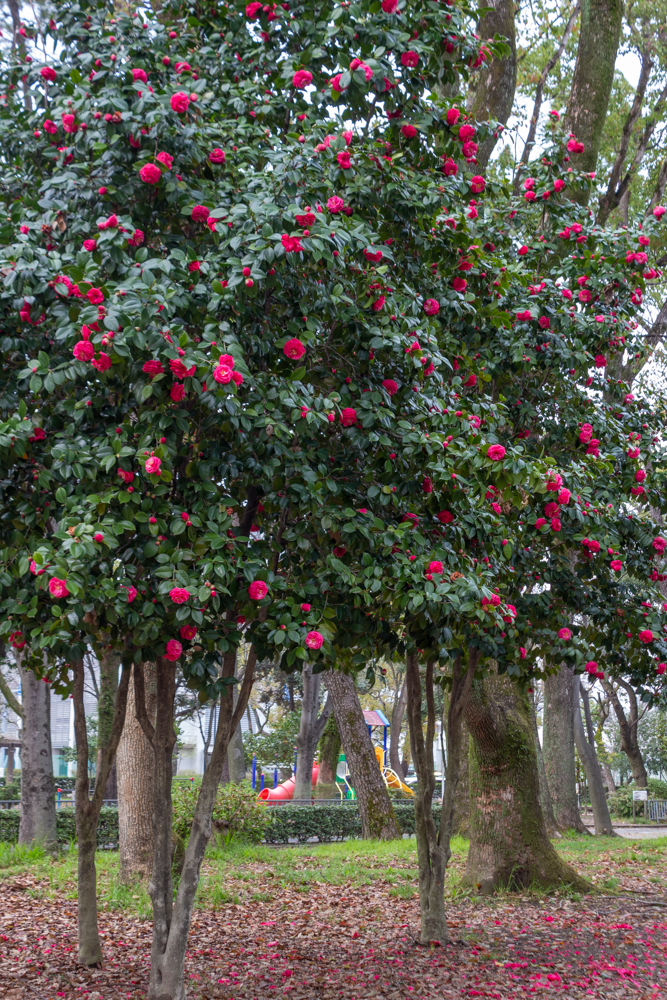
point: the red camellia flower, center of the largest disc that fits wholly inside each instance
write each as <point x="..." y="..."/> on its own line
<point x="435" y="567"/>
<point x="179" y="370"/>
<point x="69" y="124"/>
<point x="445" y="517"/>
<point x="586" y="433"/>
<point x="600" y="361"/>
<point x="139" y="74"/>
<point x="291" y="244"/>
<point x="389" y="6"/>
<point x="616" y="565"/>
<point x="90" y="245"/>
<point x="660" y="669"/>
<point x="306" y="220"/>
<point x="177" y="392"/>
<point x="48" y="73"/>
<point x="95" y="296"/>
<point x="409" y="131"/>
<point x="150" y="173"/>
<point x="564" y="497"/>
<point x="58" y="587"/>
<point x="314" y="640"/>
<point x="83" y="350"/>
<point x="188" y="632"/>
<point x="427" y="485"/>
<point x="477" y="184"/>
<point x="165" y="158"/>
<point x="98" y="537"/>
<point x="103" y="363"/>
<point x="335" y="204"/>
<point x="174" y="650"/>
<point x="348" y="416"/>
<point x="409" y="58"/>
<point x="390" y="386"/>
<point x="554" y="481"/>
<point x="449" y="166"/>
<point x="217" y="155"/>
<point x="432" y="306"/>
<point x="659" y="544"/>
<point x="459" y="284"/>
<point x="200" y="213"/>
<point x="540" y="522"/>
<point x="646" y="636"/>
<point x="640" y="476"/>
<point x="378" y="305"/>
<point x="153" y="368"/>
<point x="252" y="10"/>
<point x="294" y="349"/>
<point x="222" y="374"/>
<point x="50" y="126"/>
<point x="257" y="590"/>
<point x="544" y="322"/>
<point x="574" y="146"/>
<point x="302" y="78"/>
<point x="584" y="295"/>
<point x="496" y="452"/>
<point x="564" y="633"/>
<point x="179" y="595"/>
<point x="153" y="465"/>
<point x="179" y="102"/>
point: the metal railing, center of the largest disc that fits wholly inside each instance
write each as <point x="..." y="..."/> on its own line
<point x="657" y="809"/>
<point x="61" y="803"/>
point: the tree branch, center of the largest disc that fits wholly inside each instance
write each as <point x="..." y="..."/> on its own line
<point x="10" y="698"/>
<point x="106" y="758"/>
<point x="140" y="704"/>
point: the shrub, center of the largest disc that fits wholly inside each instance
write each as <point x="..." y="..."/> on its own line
<point x="107" y="828"/>
<point x="327" y="823"/>
<point x="236" y="814"/>
<point x="620" y="801"/>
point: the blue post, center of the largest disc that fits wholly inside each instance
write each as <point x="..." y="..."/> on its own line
<point x="384" y="746"/>
<point x="370" y="732"/>
<point x="295" y="762"/>
<point x="58" y="805"/>
<point x="254" y="771"/>
<point x="275" y="777"/>
<point x="261" y="781"/>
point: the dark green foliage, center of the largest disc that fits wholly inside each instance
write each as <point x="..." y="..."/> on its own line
<point x="107" y="828"/>
<point x="620" y="801"/>
<point x="327" y="822"/>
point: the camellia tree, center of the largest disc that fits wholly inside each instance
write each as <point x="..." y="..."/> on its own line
<point x="266" y="321"/>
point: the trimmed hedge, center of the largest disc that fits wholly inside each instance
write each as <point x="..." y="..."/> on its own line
<point x="335" y="822"/>
<point x="107" y="828"/>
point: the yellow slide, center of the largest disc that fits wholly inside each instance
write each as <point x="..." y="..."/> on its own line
<point x="391" y="778"/>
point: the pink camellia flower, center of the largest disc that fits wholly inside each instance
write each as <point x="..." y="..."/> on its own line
<point x="348" y="416"/>
<point x="600" y="361"/>
<point x="291" y="244"/>
<point x="343" y="159"/>
<point x="409" y="131"/>
<point x="258" y="590"/>
<point x="237" y="378"/>
<point x="659" y="544"/>
<point x="336" y="84"/>
<point x="431" y="307"/>
<point x="126" y="476"/>
<point x="302" y="78"/>
<point x="586" y="433"/>
<point x="564" y="497"/>
<point x="559" y="184"/>
<point x="98" y="537"/>
<point x="544" y="322"/>
<point x="390" y="387"/>
<point x="592" y="667"/>
<point x="179" y="102"/>
<point x="188" y="632"/>
<point x="540" y="522"/>
<point x="294" y="349"/>
<point x="335" y="204"/>
<point x="389" y="6"/>
<point x="574" y="146"/>
<point x="554" y="481"/>
<point x="95" y="296"/>
<point x="48" y="73"/>
<point x="153" y="465"/>
<point x="453" y="115"/>
<point x="409" y="58"/>
<point x="459" y="284"/>
<point x="194" y="265"/>
<point x="34" y="570"/>
<point x="660" y="669"/>
<point x="174" y="650"/>
<point x="139" y="74"/>
<point x="435" y="567"/>
<point x="131" y="593"/>
<point x="222" y="374"/>
<point x="165" y="158"/>
<point x="449" y="167"/>
<point x="496" y="453"/>
<point x="252" y="10"/>
<point x="177" y="392"/>
<point x="153" y="368"/>
<point x="378" y="305"/>
<point x="445" y="517"/>
<point x="305" y="607"/>
<point x="52" y="128"/>
<point x="69" y="124"/>
<point x="477" y="184"/>
<point x="150" y="173"/>
<point x="179" y="370"/>
<point x="616" y="565"/>
<point x="584" y="295"/>
<point x="566" y="293"/>
<point x="217" y="155"/>
<point x="90" y="245"/>
<point x="314" y="640"/>
<point x="179" y="595"/>
<point x="110" y="223"/>
<point x="640" y="476"/>
<point x="307" y="219"/>
<point x="200" y="213"/>
<point x="103" y="363"/>
<point x="564" y="633"/>
<point x="646" y="636"/>
<point x="522" y="652"/>
<point x="658" y="211"/>
<point x="58" y="587"/>
<point x="83" y="350"/>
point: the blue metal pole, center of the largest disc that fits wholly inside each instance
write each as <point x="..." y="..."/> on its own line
<point x="295" y="762"/>
<point x="275" y="777"/>
<point x="370" y="731"/>
<point x="254" y="771"/>
<point x="261" y="779"/>
<point x="384" y="747"/>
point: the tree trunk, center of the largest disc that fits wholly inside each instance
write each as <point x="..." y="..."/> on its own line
<point x="38" y="804"/>
<point x="599" y="35"/>
<point x="378" y="820"/>
<point x="586" y="751"/>
<point x="235" y="754"/>
<point x="397" y="714"/>
<point x="171" y="925"/>
<point x="558" y="749"/>
<point x="329" y="752"/>
<point x="135" y="768"/>
<point x="608" y="777"/>
<point x="545" y="795"/>
<point x="461" y="818"/>
<point x="509" y="843"/>
<point x="87" y="811"/>
<point x="310" y="731"/>
<point x="109" y="662"/>
<point x="628" y="727"/>
<point x="491" y="91"/>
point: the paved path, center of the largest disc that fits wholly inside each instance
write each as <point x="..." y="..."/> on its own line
<point x="637" y="832"/>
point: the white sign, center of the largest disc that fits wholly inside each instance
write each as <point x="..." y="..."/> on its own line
<point x="639" y="795"/>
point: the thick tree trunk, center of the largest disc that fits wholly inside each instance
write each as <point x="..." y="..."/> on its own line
<point x="491" y="92"/>
<point x="38" y="804"/>
<point x="558" y="749"/>
<point x="545" y="795"/>
<point x="378" y="820"/>
<point x="509" y="842"/>
<point x="134" y="768"/>
<point x="109" y="662"/>
<point x="397" y="715"/>
<point x="87" y="811"/>
<point x="588" y="757"/>
<point x="628" y="725"/>
<point x="329" y="752"/>
<point x="172" y="924"/>
<point x="608" y="776"/>
<point x="310" y="731"/>
<point x="430" y="853"/>
<point x="599" y="35"/>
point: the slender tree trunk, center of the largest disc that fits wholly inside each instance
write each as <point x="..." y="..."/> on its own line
<point x="329" y="752"/>
<point x="588" y="757"/>
<point x="491" y="92"/>
<point x="509" y="842"/>
<point x="558" y="749"/>
<point x="172" y="925"/>
<point x="545" y="795"/>
<point x="87" y="811"/>
<point x="599" y="36"/>
<point x="378" y="820"/>
<point x="461" y="819"/>
<point x="310" y="731"/>
<point x="397" y="715"/>
<point x="109" y="663"/>
<point x="135" y="771"/>
<point x="608" y="777"/>
<point x="38" y="804"/>
<point x="628" y="725"/>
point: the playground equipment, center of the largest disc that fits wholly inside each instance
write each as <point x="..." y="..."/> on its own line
<point x="284" y="791"/>
<point x="391" y="779"/>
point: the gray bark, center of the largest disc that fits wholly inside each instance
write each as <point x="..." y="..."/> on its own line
<point x="558" y="749"/>
<point x="491" y="92"/>
<point x="628" y="726"/>
<point x="38" y="805"/>
<point x="545" y="795"/>
<point x="397" y="714"/>
<point x="135" y="776"/>
<point x="586" y="750"/>
<point x="310" y="732"/>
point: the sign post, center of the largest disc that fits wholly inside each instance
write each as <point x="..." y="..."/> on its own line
<point x="639" y="795"/>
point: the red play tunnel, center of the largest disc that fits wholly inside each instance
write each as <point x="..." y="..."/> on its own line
<point x="285" y="791"/>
